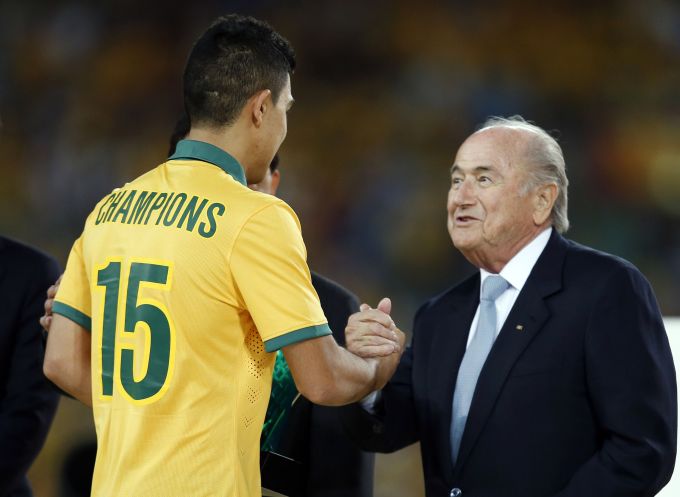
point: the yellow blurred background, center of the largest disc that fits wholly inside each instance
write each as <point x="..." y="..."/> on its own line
<point x="385" y="92"/>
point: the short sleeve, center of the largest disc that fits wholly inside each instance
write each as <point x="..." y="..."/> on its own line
<point x="73" y="299"/>
<point x="269" y="266"/>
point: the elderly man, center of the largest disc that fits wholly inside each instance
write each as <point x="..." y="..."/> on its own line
<point x="547" y="373"/>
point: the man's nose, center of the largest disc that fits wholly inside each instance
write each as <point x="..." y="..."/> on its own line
<point x="464" y="194"/>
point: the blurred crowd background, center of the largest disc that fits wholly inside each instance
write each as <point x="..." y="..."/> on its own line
<point x="385" y="93"/>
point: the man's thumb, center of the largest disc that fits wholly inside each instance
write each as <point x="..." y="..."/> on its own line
<point x="385" y="305"/>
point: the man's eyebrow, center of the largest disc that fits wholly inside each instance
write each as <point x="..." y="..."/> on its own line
<point x="479" y="169"/>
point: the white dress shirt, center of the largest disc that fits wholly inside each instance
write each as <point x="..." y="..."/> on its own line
<point x="516" y="272"/>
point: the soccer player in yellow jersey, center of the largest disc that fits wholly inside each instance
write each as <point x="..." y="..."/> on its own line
<point x="185" y="282"/>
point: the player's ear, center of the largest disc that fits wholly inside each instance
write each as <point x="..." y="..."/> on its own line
<point x="259" y="105"/>
<point x="276" y="178"/>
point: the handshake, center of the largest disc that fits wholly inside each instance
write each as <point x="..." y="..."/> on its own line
<point x="372" y="335"/>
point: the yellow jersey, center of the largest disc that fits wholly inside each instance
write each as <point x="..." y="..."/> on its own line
<point x="189" y="282"/>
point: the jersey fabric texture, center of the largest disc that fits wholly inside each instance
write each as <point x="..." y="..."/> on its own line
<point x="189" y="282"/>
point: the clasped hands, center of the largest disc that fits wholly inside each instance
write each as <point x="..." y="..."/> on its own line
<point x="372" y="335"/>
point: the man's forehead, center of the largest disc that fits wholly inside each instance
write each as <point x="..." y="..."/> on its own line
<point x="490" y="148"/>
<point x="505" y="139"/>
<point x="477" y="150"/>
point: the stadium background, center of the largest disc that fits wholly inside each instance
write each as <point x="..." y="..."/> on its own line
<point x="385" y="92"/>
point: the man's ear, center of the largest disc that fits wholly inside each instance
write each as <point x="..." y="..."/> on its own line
<point x="544" y="200"/>
<point x="276" y="178"/>
<point x="259" y="105"/>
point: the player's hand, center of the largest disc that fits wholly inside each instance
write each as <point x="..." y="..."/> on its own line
<point x="46" y="319"/>
<point x="387" y="365"/>
<point x="372" y="333"/>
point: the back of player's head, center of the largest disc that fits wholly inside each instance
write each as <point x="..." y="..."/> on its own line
<point x="234" y="59"/>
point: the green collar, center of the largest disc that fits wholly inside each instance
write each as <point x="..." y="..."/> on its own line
<point x="195" y="150"/>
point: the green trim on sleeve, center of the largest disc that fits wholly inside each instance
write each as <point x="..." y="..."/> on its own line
<point x="296" y="336"/>
<point x="73" y="314"/>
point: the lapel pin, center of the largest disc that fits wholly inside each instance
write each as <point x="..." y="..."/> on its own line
<point x="519" y="327"/>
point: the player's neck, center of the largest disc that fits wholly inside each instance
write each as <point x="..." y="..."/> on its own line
<point x="228" y="139"/>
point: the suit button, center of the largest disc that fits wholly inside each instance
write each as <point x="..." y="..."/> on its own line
<point x="456" y="492"/>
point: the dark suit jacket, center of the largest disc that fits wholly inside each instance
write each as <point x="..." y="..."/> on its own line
<point x="336" y="466"/>
<point x="27" y="400"/>
<point x="579" y="402"/>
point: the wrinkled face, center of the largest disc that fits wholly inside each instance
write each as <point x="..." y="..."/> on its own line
<point x="490" y="218"/>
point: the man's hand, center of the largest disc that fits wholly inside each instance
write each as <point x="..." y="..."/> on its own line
<point x="372" y="333"/>
<point x="387" y="365"/>
<point x="46" y="319"/>
<point x="328" y="374"/>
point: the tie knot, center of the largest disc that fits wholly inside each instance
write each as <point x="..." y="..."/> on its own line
<point x="493" y="287"/>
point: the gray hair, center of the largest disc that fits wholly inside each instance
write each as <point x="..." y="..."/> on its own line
<point x="545" y="163"/>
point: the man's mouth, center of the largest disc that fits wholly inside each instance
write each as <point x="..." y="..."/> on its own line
<point x="465" y="219"/>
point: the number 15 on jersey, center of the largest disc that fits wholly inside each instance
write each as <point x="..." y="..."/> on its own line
<point x="137" y="346"/>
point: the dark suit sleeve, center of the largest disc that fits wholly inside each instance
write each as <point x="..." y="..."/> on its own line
<point x="631" y="385"/>
<point x="394" y="425"/>
<point x="337" y="467"/>
<point x="30" y="401"/>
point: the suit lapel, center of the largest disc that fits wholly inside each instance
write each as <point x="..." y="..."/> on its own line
<point x="446" y="353"/>
<point x="530" y="312"/>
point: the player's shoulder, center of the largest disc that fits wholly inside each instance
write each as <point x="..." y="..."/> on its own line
<point x="258" y="205"/>
<point x="259" y="200"/>
<point x="144" y="181"/>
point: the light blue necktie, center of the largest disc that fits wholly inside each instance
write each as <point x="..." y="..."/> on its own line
<point x="474" y="358"/>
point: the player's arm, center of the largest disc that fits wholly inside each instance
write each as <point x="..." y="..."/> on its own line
<point x="268" y="263"/>
<point x="328" y="374"/>
<point x="67" y="355"/>
<point x="67" y="358"/>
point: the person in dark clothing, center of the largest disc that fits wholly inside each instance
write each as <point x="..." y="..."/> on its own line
<point x="28" y="400"/>
<point x="546" y="373"/>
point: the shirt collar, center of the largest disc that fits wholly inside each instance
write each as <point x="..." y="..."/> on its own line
<point x="517" y="270"/>
<point x="197" y="150"/>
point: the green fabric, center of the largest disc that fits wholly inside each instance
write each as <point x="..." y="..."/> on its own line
<point x="297" y="336"/>
<point x="73" y="314"/>
<point x="284" y="394"/>
<point x="196" y="150"/>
